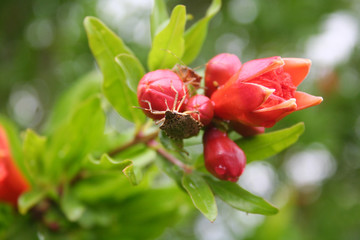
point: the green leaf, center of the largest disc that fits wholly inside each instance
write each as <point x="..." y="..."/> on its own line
<point x="134" y="171"/>
<point x="34" y="148"/>
<point x="134" y="174"/>
<point x="173" y="171"/>
<point x="201" y="195"/>
<point x="75" y="139"/>
<point x="106" y="162"/>
<point x="132" y="69"/>
<point x="158" y="16"/>
<point x="174" y="145"/>
<point x="196" y="34"/>
<point x="71" y="206"/>
<point x="168" y="44"/>
<point x="30" y="199"/>
<point x="266" y="145"/>
<point x="238" y="198"/>
<point x="105" y="46"/>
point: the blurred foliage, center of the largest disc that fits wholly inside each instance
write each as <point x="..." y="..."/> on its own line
<point x="46" y="66"/>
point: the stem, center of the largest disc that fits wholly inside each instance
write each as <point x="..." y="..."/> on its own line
<point x="149" y="140"/>
<point x="139" y="138"/>
<point x="153" y="144"/>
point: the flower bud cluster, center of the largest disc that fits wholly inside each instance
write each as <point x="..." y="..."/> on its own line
<point x="246" y="97"/>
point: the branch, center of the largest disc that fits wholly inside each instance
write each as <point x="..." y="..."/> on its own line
<point x="153" y="144"/>
<point x="139" y="138"/>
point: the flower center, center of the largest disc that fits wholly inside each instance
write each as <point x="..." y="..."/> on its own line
<point x="278" y="80"/>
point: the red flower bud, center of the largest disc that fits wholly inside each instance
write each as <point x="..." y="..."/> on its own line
<point x="157" y="91"/>
<point x="264" y="91"/>
<point x="223" y="158"/>
<point x="12" y="183"/>
<point x="204" y="106"/>
<point x="219" y="70"/>
<point x="245" y="130"/>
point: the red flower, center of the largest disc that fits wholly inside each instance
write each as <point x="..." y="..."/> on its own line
<point x="263" y="91"/>
<point x="159" y="89"/>
<point x="204" y="106"/>
<point x="12" y="183"/>
<point x="223" y="158"/>
<point x="219" y="70"/>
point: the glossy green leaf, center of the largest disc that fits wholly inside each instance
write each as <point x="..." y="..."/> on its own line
<point x="196" y="34"/>
<point x="158" y="16"/>
<point x="132" y="69"/>
<point x="34" y="148"/>
<point x="105" y="46"/>
<point x="74" y="139"/>
<point x="201" y="195"/>
<point x="168" y="44"/>
<point x="30" y="199"/>
<point x="266" y="145"/>
<point x="237" y="197"/>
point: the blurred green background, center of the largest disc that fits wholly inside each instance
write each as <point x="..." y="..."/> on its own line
<point x="315" y="183"/>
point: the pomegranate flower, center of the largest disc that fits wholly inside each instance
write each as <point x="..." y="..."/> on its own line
<point x="12" y="183"/>
<point x="219" y="70"/>
<point x="263" y="91"/>
<point x="223" y="158"/>
<point x="157" y="91"/>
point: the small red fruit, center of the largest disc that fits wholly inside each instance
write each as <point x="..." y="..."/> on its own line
<point x="219" y="70"/>
<point x="223" y="158"/>
<point x="157" y="92"/>
<point x="203" y="106"/>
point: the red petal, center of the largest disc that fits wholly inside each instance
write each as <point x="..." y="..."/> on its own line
<point x="304" y="100"/>
<point x="288" y="104"/>
<point x="257" y="67"/>
<point x="234" y="100"/>
<point x="267" y="117"/>
<point x="298" y="68"/>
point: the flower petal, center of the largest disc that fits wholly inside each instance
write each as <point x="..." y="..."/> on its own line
<point x="304" y="100"/>
<point x="298" y="68"/>
<point x="233" y="100"/>
<point x="257" y="67"/>
<point x="267" y="117"/>
<point x="288" y="104"/>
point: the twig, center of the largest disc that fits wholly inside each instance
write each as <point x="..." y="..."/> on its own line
<point x="153" y="144"/>
<point x="139" y="138"/>
<point x="149" y="140"/>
